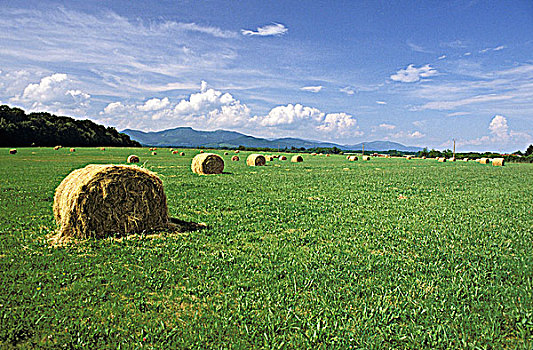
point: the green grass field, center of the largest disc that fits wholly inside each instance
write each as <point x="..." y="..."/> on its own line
<point x="327" y="253"/>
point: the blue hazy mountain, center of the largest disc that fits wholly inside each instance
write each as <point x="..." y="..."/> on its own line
<point x="188" y="137"/>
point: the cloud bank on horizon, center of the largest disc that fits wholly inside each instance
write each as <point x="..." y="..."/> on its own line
<point x="135" y="70"/>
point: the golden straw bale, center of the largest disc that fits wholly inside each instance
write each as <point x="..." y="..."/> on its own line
<point x="282" y="158"/>
<point x="175" y="152"/>
<point x="154" y="153"/>
<point x="327" y="155"/>
<point x="201" y="151"/>
<point x="409" y="157"/>
<point x="442" y="159"/>
<point x="297" y="159"/>
<point x="236" y="151"/>
<point x="235" y="158"/>
<point x="348" y="157"/>
<point x="269" y="158"/>
<point x="13" y="151"/>
<point x="366" y="157"/>
<point x="423" y="157"/>
<point x="226" y="153"/>
<point x="498" y="162"/>
<point x="182" y="153"/>
<point x="452" y="159"/>
<point x="207" y="163"/>
<point x="102" y="149"/>
<point x="353" y="158"/>
<point x="133" y="159"/>
<point x="255" y="160"/>
<point x="484" y="161"/>
<point x="57" y="147"/>
<point x="465" y="159"/>
<point x="72" y="150"/>
<point x="103" y="200"/>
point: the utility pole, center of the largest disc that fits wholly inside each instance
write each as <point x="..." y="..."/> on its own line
<point x="453" y="148"/>
<point x="363" y="149"/>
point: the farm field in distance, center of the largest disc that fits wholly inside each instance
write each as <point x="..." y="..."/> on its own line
<point x="387" y="253"/>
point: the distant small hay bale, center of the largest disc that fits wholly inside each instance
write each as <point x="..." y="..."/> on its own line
<point x="353" y="158"/>
<point x="409" y="157"/>
<point x="313" y="154"/>
<point x="388" y="156"/>
<point x="498" y="162"/>
<point x="235" y="158"/>
<point x="133" y="159"/>
<point x="297" y="159"/>
<point x="236" y="151"/>
<point x="72" y="150"/>
<point x="175" y="152"/>
<point x="13" y="151"/>
<point x="327" y="155"/>
<point x="348" y="157"/>
<point x="57" y="148"/>
<point x="269" y="158"/>
<point x="182" y="153"/>
<point x="276" y="156"/>
<point x="465" y="159"/>
<point x="154" y="153"/>
<point x="442" y="159"/>
<point x="256" y="160"/>
<point x="366" y="157"/>
<point x="452" y="159"/>
<point x="104" y="200"/>
<point x="207" y="164"/>
<point x="201" y="151"/>
<point x="102" y="149"/>
<point x="484" y="161"/>
<point x="282" y="158"/>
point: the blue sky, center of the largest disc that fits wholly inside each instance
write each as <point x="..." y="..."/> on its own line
<point x="419" y="73"/>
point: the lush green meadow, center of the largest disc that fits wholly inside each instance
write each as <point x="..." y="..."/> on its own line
<point x="388" y="253"/>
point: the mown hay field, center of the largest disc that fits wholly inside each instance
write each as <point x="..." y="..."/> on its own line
<point x="326" y="253"/>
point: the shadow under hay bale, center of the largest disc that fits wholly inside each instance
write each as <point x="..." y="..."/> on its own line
<point x="178" y="225"/>
<point x="207" y="163"/>
<point x="110" y="200"/>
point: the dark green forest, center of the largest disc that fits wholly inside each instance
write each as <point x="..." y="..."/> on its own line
<point x="18" y="129"/>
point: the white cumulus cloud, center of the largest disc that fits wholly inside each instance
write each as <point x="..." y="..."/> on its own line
<point x="387" y="126"/>
<point x="412" y="74"/>
<point x="154" y="104"/>
<point x="314" y="89"/>
<point x="274" y="29"/>
<point x="291" y="115"/>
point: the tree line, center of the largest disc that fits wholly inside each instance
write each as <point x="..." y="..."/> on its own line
<point x="18" y="129"/>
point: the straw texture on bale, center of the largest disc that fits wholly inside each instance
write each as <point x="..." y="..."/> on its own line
<point x="282" y="158"/>
<point x="235" y="158"/>
<point x="207" y="163"/>
<point x="13" y="151"/>
<point x="366" y="157"/>
<point x="442" y="160"/>
<point x="353" y="158"/>
<point x="103" y="200"/>
<point x="498" y="162"/>
<point x="484" y="161"/>
<point x="72" y="150"/>
<point x="255" y="160"/>
<point x="297" y="159"/>
<point x="133" y="159"/>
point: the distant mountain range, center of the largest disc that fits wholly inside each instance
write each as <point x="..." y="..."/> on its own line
<point x="188" y="137"/>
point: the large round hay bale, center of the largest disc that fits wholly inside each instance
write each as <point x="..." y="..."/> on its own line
<point x="442" y="159"/>
<point x="106" y="200"/>
<point x="353" y="158"/>
<point x="409" y="157"/>
<point x="255" y="160"/>
<point x="207" y="163"/>
<point x="133" y="159"/>
<point x="282" y="158"/>
<point x="484" y="161"/>
<point x="13" y="151"/>
<point x="72" y="150"/>
<point x="498" y="162"/>
<point x="297" y="159"/>
<point x="235" y="158"/>
<point x="366" y="157"/>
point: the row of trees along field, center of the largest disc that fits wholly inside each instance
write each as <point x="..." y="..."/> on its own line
<point x="18" y="129"/>
<point x="518" y="156"/>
